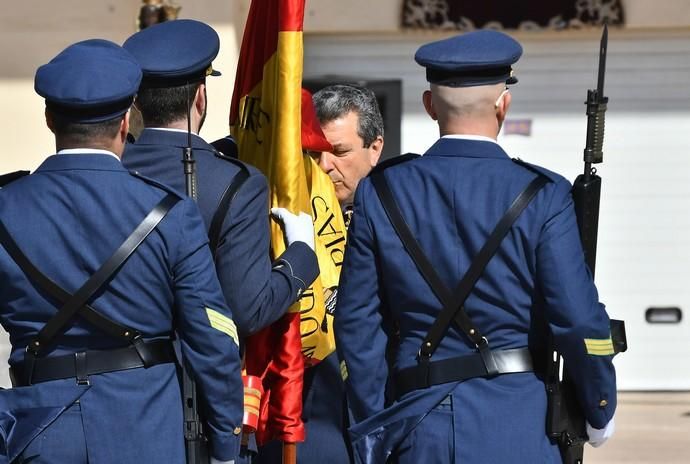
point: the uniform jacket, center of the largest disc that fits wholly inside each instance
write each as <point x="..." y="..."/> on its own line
<point x="68" y="217"/>
<point x="258" y="292"/>
<point x="452" y="198"/>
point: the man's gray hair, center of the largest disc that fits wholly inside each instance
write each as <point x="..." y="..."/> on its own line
<point x="335" y="101"/>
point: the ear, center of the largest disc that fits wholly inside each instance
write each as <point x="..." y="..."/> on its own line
<point x="200" y="99"/>
<point x="375" y="150"/>
<point x="429" y="105"/>
<point x="502" y="108"/>
<point x="124" y="127"/>
<point x="49" y="121"/>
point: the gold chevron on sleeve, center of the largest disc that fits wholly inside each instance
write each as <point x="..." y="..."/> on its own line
<point x="223" y="324"/>
<point x="599" y="346"/>
<point x="343" y="370"/>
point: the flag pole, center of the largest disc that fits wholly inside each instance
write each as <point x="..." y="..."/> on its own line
<point x="289" y="452"/>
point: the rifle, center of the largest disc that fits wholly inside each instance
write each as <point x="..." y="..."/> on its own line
<point x="565" y="422"/>
<point x="196" y="445"/>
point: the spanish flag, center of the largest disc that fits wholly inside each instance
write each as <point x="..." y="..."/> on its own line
<point x="265" y="121"/>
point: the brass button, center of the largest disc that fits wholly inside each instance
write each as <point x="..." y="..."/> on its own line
<point x="237" y="430"/>
<point x="603" y="403"/>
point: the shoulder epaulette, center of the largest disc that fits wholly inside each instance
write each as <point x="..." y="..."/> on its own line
<point x="226" y="148"/>
<point x="155" y="183"/>
<point x="5" y="179"/>
<point x="235" y="161"/>
<point x="394" y="160"/>
<point x="552" y="176"/>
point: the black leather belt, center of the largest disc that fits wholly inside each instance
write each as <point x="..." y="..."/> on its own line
<point x="426" y="374"/>
<point x="81" y="365"/>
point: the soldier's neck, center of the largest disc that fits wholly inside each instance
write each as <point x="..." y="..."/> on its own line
<point x="181" y="125"/>
<point x="488" y="128"/>
<point x="66" y="144"/>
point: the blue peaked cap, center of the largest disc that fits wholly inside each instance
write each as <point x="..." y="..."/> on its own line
<point x="481" y="57"/>
<point x="90" y="81"/>
<point x="175" y="52"/>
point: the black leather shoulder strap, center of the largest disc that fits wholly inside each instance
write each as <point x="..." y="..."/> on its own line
<point x="225" y="200"/>
<point x="5" y="179"/>
<point x="77" y="301"/>
<point x="49" y="286"/>
<point x="407" y="238"/>
<point x="453" y="302"/>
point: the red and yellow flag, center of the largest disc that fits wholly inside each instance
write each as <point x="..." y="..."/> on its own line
<point x="265" y="122"/>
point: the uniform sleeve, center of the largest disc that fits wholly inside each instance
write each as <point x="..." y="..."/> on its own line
<point x="209" y="340"/>
<point x="578" y="322"/>
<point x="360" y="336"/>
<point x="258" y="291"/>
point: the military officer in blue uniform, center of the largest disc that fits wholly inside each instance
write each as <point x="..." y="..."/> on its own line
<point x="176" y="58"/>
<point x="451" y="198"/>
<point x="99" y="267"/>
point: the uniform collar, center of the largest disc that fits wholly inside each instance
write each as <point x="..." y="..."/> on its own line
<point x="81" y="161"/>
<point x="176" y="138"/>
<point x="467" y="147"/>
<point x="82" y="151"/>
<point x="480" y="138"/>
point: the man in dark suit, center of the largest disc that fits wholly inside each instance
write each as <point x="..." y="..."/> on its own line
<point x="99" y="267"/>
<point x="176" y="59"/>
<point x="471" y="392"/>
<point x="342" y="130"/>
<point x="351" y="122"/>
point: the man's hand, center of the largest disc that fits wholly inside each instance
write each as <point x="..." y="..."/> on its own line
<point x="597" y="437"/>
<point x="297" y="228"/>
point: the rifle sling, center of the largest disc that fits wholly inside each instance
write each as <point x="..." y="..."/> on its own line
<point x="453" y="304"/>
<point x="224" y="205"/>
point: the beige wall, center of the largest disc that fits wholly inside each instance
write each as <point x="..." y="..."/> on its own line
<point x="352" y="15"/>
<point x="31" y="33"/>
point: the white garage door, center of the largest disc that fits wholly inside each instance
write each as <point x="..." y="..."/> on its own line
<point x="644" y="240"/>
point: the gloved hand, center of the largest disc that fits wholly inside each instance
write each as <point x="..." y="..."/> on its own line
<point x="216" y="461"/>
<point x="597" y="437"/>
<point x="297" y="228"/>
